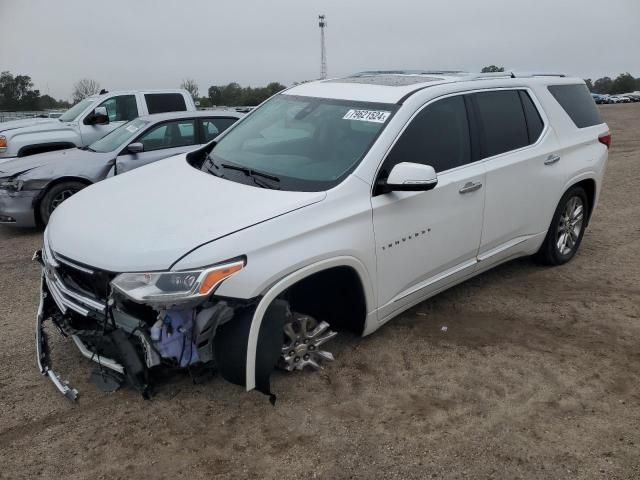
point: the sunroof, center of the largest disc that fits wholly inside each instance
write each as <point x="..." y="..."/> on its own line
<point x="388" y="80"/>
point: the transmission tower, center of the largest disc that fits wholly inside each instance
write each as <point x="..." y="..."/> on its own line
<point x="323" y="50"/>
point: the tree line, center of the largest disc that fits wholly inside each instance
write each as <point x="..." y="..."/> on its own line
<point x="623" y="83"/>
<point x="231" y="94"/>
<point x="17" y="92"/>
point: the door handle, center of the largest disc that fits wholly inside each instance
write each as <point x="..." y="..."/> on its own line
<point x="551" y="159"/>
<point x="470" y="187"/>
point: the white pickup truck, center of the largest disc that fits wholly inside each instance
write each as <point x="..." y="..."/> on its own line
<point x="87" y="121"/>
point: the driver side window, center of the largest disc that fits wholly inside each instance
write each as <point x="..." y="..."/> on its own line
<point x="437" y="136"/>
<point x="121" y="108"/>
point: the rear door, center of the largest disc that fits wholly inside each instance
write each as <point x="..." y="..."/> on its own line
<point x="524" y="175"/>
<point x="427" y="240"/>
<point x="160" y="141"/>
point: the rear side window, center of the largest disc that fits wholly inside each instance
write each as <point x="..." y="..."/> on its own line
<point x="534" y="122"/>
<point x="578" y="103"/>
<point x="169" y="135"/>
<point x="437" y="136"/>
<point x="501" y="121"/>
<point x="212" y="127"/>
<point x="165" y="102"/>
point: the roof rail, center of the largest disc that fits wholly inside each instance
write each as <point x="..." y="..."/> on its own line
<point x="489" y="75"/>
<point x="537" y="74"/>
<point x="462" y="75"/>
<point x="407" y="72"/>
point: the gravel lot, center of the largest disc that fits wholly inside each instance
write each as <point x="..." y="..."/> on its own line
<point x="536" y="377"/>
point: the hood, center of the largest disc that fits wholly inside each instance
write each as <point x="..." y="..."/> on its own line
<point x="47" y="125"/>
<point x="53" y="164"/>
<point x="150" y="217"/>
<point x="26" y="122"/>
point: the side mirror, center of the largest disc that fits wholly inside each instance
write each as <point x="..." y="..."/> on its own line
<point x="136" y="147"/>
<point x="99" y="116"/>
<point x="410" y="177"/>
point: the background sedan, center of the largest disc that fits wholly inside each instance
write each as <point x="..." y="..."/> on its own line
<point x="32" y="187"/>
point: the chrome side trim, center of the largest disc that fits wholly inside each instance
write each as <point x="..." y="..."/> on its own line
<point x="104" y="361"/>
<point x="505" y="246"/>
<point x="432" y="280"/>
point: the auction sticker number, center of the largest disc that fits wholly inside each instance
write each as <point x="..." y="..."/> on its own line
<point x="376" y="116"/>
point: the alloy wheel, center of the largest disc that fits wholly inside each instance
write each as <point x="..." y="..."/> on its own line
<point x="570" y="226"/>
<point x="303" y="338"/>
<point x="61" y="197"/>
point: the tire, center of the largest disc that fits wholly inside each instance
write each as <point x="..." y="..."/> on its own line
<point x="567" y="228"/>
<point x="55" y="196"/>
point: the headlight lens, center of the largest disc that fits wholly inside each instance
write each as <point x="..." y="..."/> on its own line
<point x="3" y="143"/>
<point x="162" y="288"/>
<point x="11" y="184"/>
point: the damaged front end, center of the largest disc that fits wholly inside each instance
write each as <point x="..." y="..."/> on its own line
<point x="130" y="339"/>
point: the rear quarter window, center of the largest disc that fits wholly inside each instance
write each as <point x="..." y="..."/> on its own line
<point x="165" y="102"/>
<point x="578" y="103"/>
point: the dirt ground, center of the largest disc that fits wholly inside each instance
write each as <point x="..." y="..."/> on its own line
<point x="537" y="376"/>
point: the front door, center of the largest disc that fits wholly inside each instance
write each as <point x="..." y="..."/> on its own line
<point x="427" y="240"/>
<point x="161" y="141"/>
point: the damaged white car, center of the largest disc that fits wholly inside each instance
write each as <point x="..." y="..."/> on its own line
<point x="335" y="205"/>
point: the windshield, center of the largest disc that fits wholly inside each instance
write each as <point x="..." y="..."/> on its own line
<point x="301" y="143"/>
<point x="71" y="114"/>
<point x="119" y="136"/>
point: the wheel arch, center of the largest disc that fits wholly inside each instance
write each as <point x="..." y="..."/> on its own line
<point x="588" y="183"/>
<point x="273" y="292"/>
<point x="35" y="148"/>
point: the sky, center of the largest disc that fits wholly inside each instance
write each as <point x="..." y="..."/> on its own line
<point x="129" y="44"/>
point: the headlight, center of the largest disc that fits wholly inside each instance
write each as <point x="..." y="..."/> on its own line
<point x="3" y="143"/>
<point x="163" y="288"/>
<point x="11" y="184"/>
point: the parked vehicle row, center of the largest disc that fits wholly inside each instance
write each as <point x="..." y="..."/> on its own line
<point x="335" y="205"/>
<point x="87" y="121"/>
<point x="32" y="188"/>
<point x="608" y="99"/>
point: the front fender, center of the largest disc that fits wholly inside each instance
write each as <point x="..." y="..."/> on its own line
<point x="45" y="135"/>
<point x="270" y="295"/>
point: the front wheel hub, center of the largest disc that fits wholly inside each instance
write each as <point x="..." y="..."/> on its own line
<point x="302" y="337"/>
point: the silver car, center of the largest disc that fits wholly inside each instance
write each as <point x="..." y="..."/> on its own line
<point x="32" y="187"/>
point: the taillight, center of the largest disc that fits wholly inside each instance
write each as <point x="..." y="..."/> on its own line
<point x="605" y="139"/>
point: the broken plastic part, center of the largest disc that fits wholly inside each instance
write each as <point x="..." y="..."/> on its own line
<point x="231" y="343"/>
<point x="42" y="353"/>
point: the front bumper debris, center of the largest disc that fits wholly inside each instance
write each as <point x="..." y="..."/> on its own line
<point x="42" y="352"/>
<point x="137" y="344"/>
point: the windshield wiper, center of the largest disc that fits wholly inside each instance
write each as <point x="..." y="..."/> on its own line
<point x="255" y="175"/>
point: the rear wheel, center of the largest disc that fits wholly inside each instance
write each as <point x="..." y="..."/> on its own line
<point x="567" y="228"/>
<point x="55" y="196"/>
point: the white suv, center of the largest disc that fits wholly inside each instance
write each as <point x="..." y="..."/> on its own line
<point x="336" y="204"/>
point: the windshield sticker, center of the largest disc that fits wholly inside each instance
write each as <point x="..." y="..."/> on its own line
<point x="376" y="116"/>
<point x="132" y="129"/>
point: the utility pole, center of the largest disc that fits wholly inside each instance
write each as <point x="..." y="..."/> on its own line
<point x="323" y="51"/>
